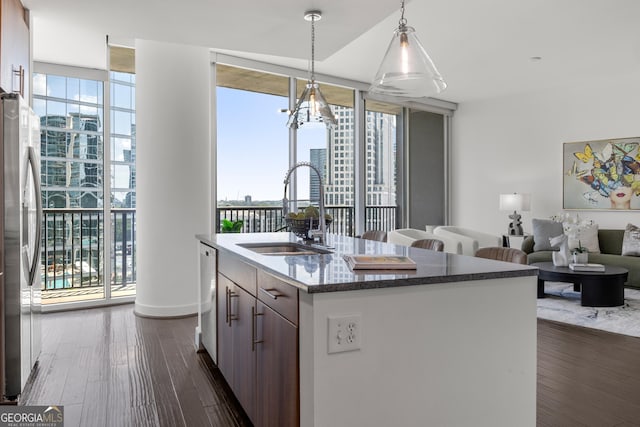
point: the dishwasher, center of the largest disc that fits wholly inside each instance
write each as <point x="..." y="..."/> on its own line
<point x="207" y="300"/>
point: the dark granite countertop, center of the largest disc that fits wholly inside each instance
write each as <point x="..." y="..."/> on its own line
<point x="330" y="273"/>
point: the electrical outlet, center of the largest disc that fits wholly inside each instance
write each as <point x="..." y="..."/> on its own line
<point x="345" y="333"/>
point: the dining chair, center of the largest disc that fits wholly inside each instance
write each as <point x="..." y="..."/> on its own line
<point x="431" y="244"/>
<point x="503" y="254"/>
<point x="377" y="235"/>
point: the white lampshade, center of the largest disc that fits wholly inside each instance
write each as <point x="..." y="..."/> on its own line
<point x="515" y="202"/>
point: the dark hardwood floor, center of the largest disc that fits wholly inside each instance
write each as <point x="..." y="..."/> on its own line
<point x="111" y="368"/>
<point x="587" y="377"/>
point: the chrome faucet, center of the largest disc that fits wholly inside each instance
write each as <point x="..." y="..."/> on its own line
<point x="321" y="231"/>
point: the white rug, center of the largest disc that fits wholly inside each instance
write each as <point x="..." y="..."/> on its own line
<point x="562" y="304"/>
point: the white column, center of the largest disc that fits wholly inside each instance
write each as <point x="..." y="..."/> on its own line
<point x="173" y="174"/>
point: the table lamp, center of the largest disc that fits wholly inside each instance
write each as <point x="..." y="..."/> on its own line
<point x="515" y="202"/>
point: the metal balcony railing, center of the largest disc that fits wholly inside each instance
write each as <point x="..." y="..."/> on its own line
<point x="269" y="219"/>
<point x="73" y="253"/>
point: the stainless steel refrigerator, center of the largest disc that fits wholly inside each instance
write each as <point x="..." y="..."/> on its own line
<point x="20" y="340"/>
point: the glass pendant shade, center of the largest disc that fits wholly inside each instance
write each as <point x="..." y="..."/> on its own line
<point x="311" y="108"/>
<point x="407" y="70"/>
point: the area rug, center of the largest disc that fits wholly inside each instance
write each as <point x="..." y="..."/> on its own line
<point x="562" y="304"/>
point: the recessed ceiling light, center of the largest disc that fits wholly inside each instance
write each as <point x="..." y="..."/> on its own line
<point x="535" y="58"/>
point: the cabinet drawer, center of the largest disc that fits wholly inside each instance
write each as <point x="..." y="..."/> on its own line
<point x="280" y="296"/>
<point x="241" y="273"/>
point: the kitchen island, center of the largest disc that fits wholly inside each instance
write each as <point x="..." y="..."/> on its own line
<point x="303" y="339"/>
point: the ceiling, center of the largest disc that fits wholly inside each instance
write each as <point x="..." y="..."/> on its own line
<point x="483" y="48"/>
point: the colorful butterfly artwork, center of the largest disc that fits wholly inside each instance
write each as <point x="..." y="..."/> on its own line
<point x="622" y="149"/>
<point x="605" y="154"/>
<point x="590" y="197"/>
<point x="602" y="167"/>
<point x="630" y="165"/>
<point x="595" y="184"/>
<point x="586" y="156"/>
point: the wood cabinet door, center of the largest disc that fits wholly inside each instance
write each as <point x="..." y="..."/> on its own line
<point x="244" y="356"/>
<point x="277" y="370"/>
<point x="224" y="335"/>
<point x="14" y="48"/>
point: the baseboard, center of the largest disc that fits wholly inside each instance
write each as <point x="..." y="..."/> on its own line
<point x="165" y="312"/>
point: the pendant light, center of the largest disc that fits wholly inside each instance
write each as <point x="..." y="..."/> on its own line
<point x="312" y="108"/>
<point x="407" y="70"/>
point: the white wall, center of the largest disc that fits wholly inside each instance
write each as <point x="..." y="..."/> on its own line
<point x="173" y="173"/>
<point x="514" y="144"/>
<point x="432" y="355"/>
<point x="60" y="44"/>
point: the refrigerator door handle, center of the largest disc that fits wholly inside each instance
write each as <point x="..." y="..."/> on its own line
<point x="35" y="172"/>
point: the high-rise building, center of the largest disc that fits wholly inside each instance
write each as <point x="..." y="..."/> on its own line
<point x="71" y="161"/>
<point x="318" y="158"/>
<point x="130" y="199"/>
<point x="380" y="159"/>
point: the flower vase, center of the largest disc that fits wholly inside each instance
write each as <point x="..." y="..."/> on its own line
<point x="581" y="258"/>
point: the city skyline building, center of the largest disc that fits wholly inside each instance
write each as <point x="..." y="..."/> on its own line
<point x="380" y="159"/>
<point x="318" y="159"/>
<point x="71" y="151"/>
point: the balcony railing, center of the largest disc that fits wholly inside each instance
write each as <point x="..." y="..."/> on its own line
<point x="73" y="248"/>
<point x="269" y="219"/>
<point x="73" y="253"/>
<point x="380" y="218"/>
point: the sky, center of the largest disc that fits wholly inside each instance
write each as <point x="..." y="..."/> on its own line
<point x="253" y="141"/>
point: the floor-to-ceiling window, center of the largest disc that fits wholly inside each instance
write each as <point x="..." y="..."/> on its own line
<point x="71" y="113"/>
<point x="252" y="147"/>
<point x="88" y="187"/>
<point x="364" y="159"/>
<point x="381" y="139"/>
<point x="123" y="182"/>
<point x="332" y="151"/>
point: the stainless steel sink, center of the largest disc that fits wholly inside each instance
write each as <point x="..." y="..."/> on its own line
<point x="283" y="248"/>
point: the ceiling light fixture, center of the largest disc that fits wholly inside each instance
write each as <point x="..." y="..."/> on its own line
<point x="407" y="70"/>
<point x="311" y="107"/>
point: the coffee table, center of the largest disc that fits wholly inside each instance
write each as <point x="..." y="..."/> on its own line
<point x="598" y="289"/>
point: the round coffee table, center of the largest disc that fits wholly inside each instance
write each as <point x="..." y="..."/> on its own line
<point x="598" y="288"/>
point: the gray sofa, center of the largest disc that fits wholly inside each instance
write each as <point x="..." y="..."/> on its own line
<point x="610" y="242"/>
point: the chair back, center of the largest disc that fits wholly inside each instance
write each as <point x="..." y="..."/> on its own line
<point x="431" y="244"/>
<point x="503" y="254"/>
<point x="377" y="235"/>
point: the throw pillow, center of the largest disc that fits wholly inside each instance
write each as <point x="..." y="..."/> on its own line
<point x="631" y="241"/>
<point x="585" y="235"/>
<point x="543" y="229"/>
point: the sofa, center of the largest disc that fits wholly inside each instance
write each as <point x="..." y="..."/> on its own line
<point x="406" y="236"/>
<point x="471" y="240"/>
<point x="610" y="242"/>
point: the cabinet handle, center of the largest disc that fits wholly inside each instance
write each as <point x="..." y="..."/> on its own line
<point x="271" y="293"/>
<point x="227" y="306"/>
<point x="230" y="316"/>
<point x="254" y="326"/>
<point x="20" y="73"/>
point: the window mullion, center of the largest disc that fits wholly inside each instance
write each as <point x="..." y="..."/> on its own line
<point x="360" y="168"/>
<point x="106" y="182"/>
